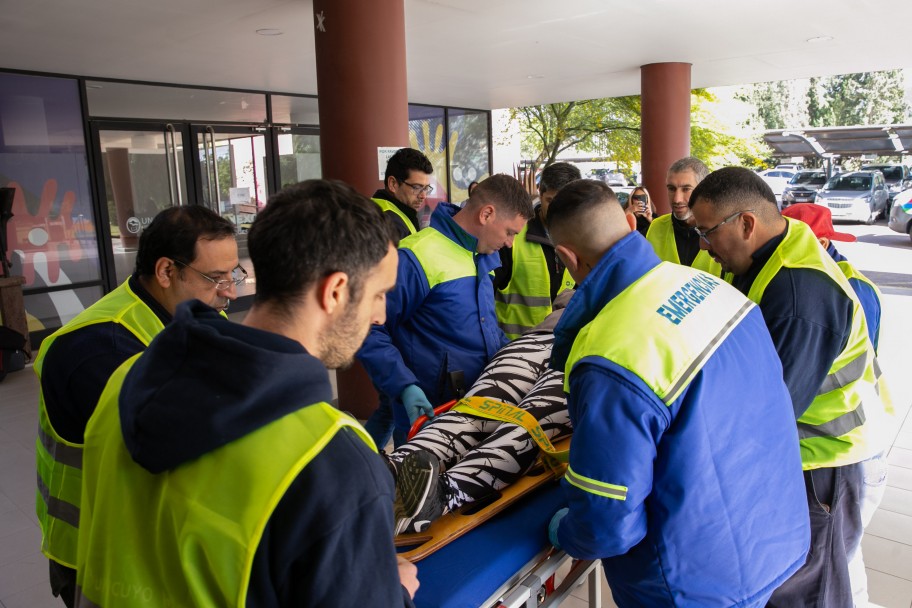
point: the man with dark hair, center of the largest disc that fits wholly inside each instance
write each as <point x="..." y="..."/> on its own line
<point x="664" y="471"/>
<point x="531" y="275"/>
<point x="440" y="319"/>
<point x="820" y="333"/>
<point x="407" y="184"/>
<point x="672" y="234"/>
<point x="216" y="472"/>
<point x="185" y="253"/>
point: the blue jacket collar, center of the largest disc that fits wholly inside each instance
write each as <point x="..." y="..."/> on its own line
<point x="442" y="221"/>
<point x="620" y="267"/>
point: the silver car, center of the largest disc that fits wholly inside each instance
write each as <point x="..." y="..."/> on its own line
<point x="901" y="213"/>
<point x="859" y="196"/>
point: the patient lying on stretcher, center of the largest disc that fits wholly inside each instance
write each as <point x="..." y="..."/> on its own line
<point x="458" y="458"/>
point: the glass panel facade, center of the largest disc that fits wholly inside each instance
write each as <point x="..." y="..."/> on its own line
<point x="427" y="133"/>
<point x="143" y="176"/>
<point x="239" y="175"/>
<point x="299" y="158"/>
<point x="52" y="238"/>
<point x="287" y="110"/>
<point x="469" y="158"/>
<point x="53" y="309"/>
<point x="129" y="100"/>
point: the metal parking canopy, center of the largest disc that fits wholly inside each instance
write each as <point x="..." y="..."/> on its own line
<point x="827" y="142"/>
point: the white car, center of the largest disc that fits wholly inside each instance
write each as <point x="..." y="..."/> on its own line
<point x="777" y="179"/>
<point x="901" y="213"/>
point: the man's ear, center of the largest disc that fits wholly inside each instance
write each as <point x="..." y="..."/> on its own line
<point x="748" y="224"/>
<point x="391" y="183"/>
<point x="165" y="270"/>
<point x="631" y="221"/>
<point x="332" y="292"/>
<point x="569" y="258"/>
<point x="824" y="241"/>
<point x="486" y="214"/>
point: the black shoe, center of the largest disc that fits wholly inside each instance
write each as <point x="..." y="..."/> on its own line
<point x="431" y="503"/>
<point x="415" y="476"/>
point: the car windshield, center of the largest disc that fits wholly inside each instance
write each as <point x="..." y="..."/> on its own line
<point x="809" y="179"/>
<point x="856" y="183"/>
<point x="890" y="173"/>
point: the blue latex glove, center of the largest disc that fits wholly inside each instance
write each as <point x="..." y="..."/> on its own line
<point x="416" y="403"/>
<point x="554" y="525"/>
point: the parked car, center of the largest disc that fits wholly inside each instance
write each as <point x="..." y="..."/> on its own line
<point x="790" y="167"/>
<point x="898" y="178"/>
<point x="622" y="193"/>
<point x="901" y="213"/>
<point x="803" y="187"/>
<point x="860" y="196"/>
<point x="612" y="178"/>
<point x="777" y="179"/>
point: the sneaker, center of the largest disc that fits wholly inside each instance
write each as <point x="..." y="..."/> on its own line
<point x="431" y="506"/>
<point x="415" y="475"/>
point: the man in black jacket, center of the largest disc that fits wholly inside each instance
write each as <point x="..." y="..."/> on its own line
<point x="227" y="477"/>
<point x="407" y="185"/>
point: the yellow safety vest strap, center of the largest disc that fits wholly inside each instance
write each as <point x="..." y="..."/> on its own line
<point x="498" y="410"/>
<point x="517" y="298"/>
<point x="847" y="374"/>
<point x="64" y="454"/>
<point x="57" y="507"/>
<point x="836" y="427"/>
<point x="593" y="486"/>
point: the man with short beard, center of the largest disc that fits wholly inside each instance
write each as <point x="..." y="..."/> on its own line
<point x="216" y="473"/>
<point x="672" y="235"/>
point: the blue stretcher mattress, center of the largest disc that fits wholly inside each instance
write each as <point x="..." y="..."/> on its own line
<point x="469" y="570"/>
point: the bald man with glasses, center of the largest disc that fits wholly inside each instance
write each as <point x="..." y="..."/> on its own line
<point x="186" y="253"/>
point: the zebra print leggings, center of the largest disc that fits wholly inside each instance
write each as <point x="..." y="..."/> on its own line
<point x="482" y="456"/>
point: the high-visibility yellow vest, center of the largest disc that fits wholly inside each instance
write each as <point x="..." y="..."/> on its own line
<point x="441" y="258"/>
<point x="388" y="206"/>
<point x="526" y="300"/>
<point x="59" y="461"/>
<point x="683" y="315"/>
<point x="661" y="235"/>
<point x="188" y="536"/>
<point x="842" y="424"/>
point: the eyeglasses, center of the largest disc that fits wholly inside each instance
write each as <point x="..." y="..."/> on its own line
<point x="705" y="235"/>
<point x="418" y="188"/>
<point x="238" y="276"/>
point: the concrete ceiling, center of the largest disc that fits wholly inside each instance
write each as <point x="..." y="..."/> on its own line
<point x="469" y="53"/>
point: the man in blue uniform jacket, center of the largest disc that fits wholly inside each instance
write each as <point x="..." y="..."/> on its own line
<point x="440" y="317"/>
<point x="684" y="474"/>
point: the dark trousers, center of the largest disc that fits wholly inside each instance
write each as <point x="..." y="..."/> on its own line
<point x="63" y="583"/>
<point x="834" y="502"/>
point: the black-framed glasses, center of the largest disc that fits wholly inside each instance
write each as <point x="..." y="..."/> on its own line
<point x="705" y="235"/>
<point x="418" y="188"/>
<point x="238" y="276"/>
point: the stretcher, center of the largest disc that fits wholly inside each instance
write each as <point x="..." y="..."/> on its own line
<point x="505" y="562"/>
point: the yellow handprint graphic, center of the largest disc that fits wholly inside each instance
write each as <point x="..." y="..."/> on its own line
<point x="467" y="147"/>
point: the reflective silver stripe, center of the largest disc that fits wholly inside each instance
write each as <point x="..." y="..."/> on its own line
<point x="517" y="298"/>
<point x="58" y="508"/>
<point x="697" y="363"/>
<point x="849" y="373"/>
<point x="62" y="453"/>
<point x="602" y="489"/>
<point x="877" y="375"/>
<point x="834" y="428"/>
<point x="82" y="601"/>
<point x="513" y="328"/>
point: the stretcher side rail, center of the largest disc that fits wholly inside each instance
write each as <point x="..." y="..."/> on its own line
<point x="530" y="590"/>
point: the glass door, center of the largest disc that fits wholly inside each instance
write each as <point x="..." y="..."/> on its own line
<point x="299" y="154"/>
<point x="143" y="173"/>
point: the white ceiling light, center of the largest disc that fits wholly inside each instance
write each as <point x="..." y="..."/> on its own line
<point x="817" y="39"/>
<point x="269" y="31"/>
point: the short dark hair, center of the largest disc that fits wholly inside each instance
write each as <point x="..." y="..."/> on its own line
<point x="690" y="163"/>
<point x="310" y="230"/>
<point x="576" y="200"/>
<point x="174" y="232"/>
<point x="404" y="161"/>
<point x="506" y="193"/>
<point x="557" y="175"/>
<point x="733" y="189"/>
